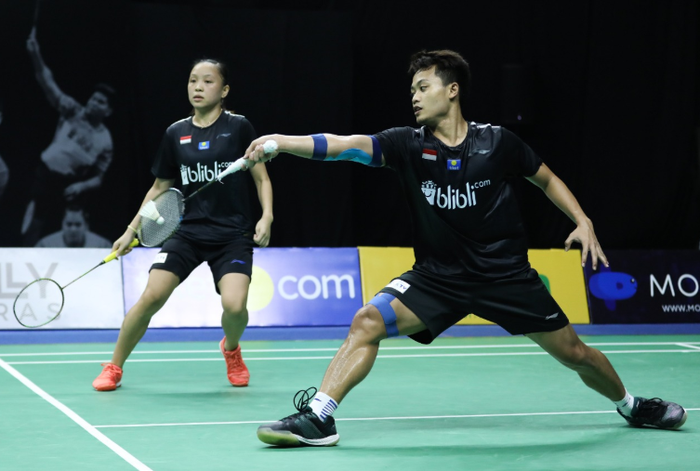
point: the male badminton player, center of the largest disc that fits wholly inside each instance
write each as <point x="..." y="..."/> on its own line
<point x="217" y="225"/>
<point x="470" y="249"/>
<point x="78" y="157"/>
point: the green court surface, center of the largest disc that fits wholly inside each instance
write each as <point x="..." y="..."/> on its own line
<point x="494" y="403"/>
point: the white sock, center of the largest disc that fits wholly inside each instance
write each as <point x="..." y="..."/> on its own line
<point x="625" y="404"/>
<point x="323" y="406"/>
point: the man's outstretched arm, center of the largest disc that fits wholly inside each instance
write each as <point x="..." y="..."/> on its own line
<point x="327" y="147"/>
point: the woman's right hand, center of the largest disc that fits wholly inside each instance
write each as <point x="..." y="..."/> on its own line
<point x="122" y="244"/>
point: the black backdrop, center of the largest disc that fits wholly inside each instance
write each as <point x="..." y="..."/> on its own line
<point x="607" y="91"/>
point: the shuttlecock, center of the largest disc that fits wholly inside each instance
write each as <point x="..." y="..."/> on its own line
<point x="150" y="211"/>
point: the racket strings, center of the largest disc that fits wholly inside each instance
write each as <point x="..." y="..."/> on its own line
<point x="170" y="206"/>
<point x="39" y="303"/>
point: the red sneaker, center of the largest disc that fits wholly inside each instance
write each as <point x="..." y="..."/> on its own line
<point x="236" y="370"/>
<point x="110" y="378"/>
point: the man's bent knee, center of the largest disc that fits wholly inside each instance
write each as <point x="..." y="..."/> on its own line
<point x="382" y="302"/>
<point x="368" y="324"/>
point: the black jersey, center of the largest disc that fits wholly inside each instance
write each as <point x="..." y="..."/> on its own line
<point x="195" y="156"/>
<point x="466" y="220"/>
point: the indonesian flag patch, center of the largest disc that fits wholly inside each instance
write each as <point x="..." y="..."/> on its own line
<point x="185" y="139"/>
<point x="430" y="154"/>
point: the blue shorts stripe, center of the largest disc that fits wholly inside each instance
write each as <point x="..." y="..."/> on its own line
<point x="382" y="302"/>
<point x="320" y="147"/>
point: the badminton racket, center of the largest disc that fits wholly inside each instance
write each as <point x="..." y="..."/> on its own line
<point x="161" y="216"/>
<point x="42" y="300"/>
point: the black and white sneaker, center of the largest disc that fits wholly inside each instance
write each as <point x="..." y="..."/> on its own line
<point x="656" y="413"/>
<point x="302" y="428"/>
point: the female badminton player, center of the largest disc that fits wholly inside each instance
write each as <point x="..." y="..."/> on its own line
<point x="217" y="225"/>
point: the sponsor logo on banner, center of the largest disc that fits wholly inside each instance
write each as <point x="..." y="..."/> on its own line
<point x="647" y="287"/>
<point x="92" y="302"/>
<point x="612" y="286"/>
<point x="289" y="287"/>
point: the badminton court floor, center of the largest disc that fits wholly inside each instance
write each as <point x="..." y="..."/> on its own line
<point x="484" y="403"/>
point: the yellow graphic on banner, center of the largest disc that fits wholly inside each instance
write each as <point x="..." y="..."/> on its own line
<point x="559" y="270"/>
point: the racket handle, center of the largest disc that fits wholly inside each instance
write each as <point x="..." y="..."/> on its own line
<point x="239" y="164"/>
<point x="113" y="255"/>
<point x="269" y="147"/>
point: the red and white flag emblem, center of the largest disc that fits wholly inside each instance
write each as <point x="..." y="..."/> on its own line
<point x="185" y="139"/>
<point x="429" y="154"/>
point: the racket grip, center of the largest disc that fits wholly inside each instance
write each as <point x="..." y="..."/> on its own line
<point x="113" y="255"/>
<point x="239" y="164"/>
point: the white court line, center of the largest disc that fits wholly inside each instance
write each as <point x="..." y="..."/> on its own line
<point x="421" y="417"/>
<point x="247" y="358"/>
<point x="334" y="349"/>
<point x="687" y="345"/>
<point x="129" y="458"/>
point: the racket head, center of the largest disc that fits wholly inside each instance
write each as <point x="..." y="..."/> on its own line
<point x="39" y="303"/>
<point x="171" y="206"/>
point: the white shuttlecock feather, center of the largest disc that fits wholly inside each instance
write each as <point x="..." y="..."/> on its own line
<point x="150" y="211"/>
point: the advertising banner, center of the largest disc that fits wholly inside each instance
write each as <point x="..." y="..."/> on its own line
<point x="645" y="287"/>
<point x="559" y="270"/>
<point x="290" y="287"/>
<point x="93" y="302"/>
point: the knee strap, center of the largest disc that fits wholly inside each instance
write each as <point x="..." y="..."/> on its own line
<point x="382" y="301"/>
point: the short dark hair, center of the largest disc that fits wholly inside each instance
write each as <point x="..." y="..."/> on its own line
<point x="107" y="90"/>
<point x="221" y="67"/>
<point x="74" y="207"/>
<point x="450" y="66"/>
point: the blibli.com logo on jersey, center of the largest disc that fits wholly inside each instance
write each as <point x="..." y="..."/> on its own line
<point x="201" y="173"/>
<point x="452" y="198"/>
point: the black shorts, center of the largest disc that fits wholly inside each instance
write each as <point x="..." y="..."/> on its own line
<point x="181" y="256"/>
<point x="520" y="304"/>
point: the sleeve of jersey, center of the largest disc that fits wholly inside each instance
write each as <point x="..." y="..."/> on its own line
<point x="525" y="161"/>
<point x="165" y="163"/>
<point x="248" y="133"/>
<point x="394" y="144"/>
